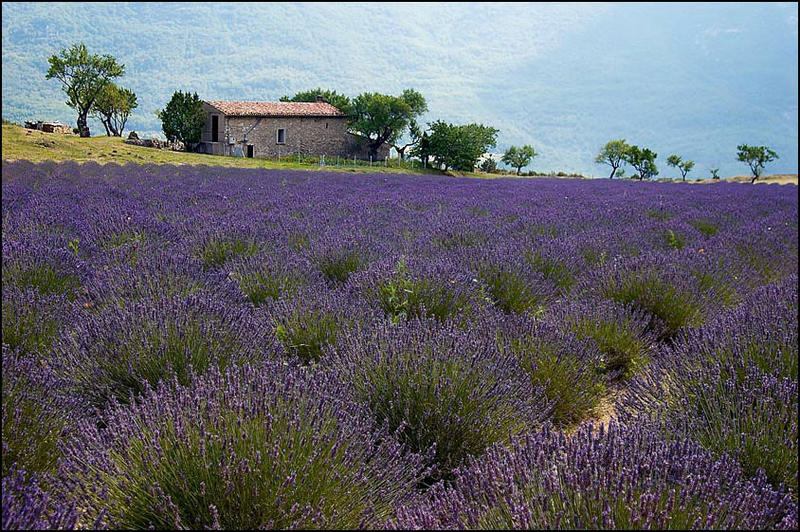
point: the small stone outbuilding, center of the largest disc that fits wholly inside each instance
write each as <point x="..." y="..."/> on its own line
<point x="50" y="127"/>
<point x="280" y="129"/>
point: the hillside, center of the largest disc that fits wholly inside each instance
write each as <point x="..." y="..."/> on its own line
<point x="20" y="143"/>
<point x="694" y="80"/>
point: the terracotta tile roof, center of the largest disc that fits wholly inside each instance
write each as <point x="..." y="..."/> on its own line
<point x="276" y="108"/>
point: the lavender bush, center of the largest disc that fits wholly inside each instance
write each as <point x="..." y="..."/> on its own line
<point x="440" y="387"/>
<point x="617" y="478"/>
<point x="732" y="385"/>
<point x="256" y="447"/>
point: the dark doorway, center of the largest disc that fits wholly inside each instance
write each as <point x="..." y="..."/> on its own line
<point x="249" y="150"/>
<point x="214" y="128"/>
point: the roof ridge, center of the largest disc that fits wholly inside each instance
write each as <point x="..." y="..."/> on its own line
<point x="264" y="108"/>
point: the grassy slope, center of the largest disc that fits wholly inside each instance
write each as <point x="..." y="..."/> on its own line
<point x="36" y="146"/>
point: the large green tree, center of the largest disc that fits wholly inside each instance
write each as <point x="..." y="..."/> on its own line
<point x="340" y="101"/>
<point x="684" y="166"/>
<point x="422" y="148"/>
<point x="113" y="107"/>
<point x="519" y="157"/>
<point x="460" y="147"/>
<point x="83" y="77"/>
<point x="755" y="157"/>
<point x="183" y="119"/>
<point x="382" y="118"/>
<point x="612" y="154"/>
<point x="643" y="160"/>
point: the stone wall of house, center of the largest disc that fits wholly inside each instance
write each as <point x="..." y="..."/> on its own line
<point x="305" y="135"/>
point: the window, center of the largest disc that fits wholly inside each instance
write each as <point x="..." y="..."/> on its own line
<point x="250" y="150"/>
<point x="214" y="128"/>
<point x="281" y="136"/>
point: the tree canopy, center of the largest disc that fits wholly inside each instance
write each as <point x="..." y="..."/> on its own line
<point x="643" y="160"/>
<point x="382" y="118"/>
<point x="340" y="101"/>
<point x="519" y="157"/>
<point x="183" y="118"/>
<point x="460" y="147"/>
<point x="684" y="166"/>
<point x="756" y="157"/>
<point x="612" y="154"/>
<point x="112" y="107"/>
<point x="83" y="77"/>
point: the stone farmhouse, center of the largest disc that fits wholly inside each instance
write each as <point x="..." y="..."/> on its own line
<point x="280" y="129"/>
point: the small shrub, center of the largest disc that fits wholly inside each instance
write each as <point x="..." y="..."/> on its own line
<point x="216" y="251"/>
<point x="618" y="332"/>
<point x="706" y="227"/>
<point x="121" y="351"/>
<point x="619" y="478"/>
<point x="30" y="322"/>
<point x="553" y="269"/>
<point x="262" y="447"/>
<point x="42" y="277"/>
<point x="674" y="240"/>
<point x="403" y="296"/>
<point x="512" y="292"/>
<point x="671" y="305"/>
<point x="337" y="266"/>
<point x="569" y="372"/>
<point x="440" y="387"/>
<point x="306" y="334"/>
<point x="36" y="412"/>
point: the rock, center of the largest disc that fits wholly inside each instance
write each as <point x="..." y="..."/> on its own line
<point x="133" y="135"/>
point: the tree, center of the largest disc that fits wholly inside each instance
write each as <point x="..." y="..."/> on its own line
<point x="82" y="78"/>
<point x="183" y="119"/>
<point x="642" y="160"/>
<point x="613" y="154"/>
<point x="488" y="165"/>
<point x="756" y="157"/>
<point x="519" y="157"/>
<point x="415" y="134"/>
<point x="112" y="107"/>
<point x="382" y="118"/>
<point x="340" y="101"/>
<point x="460" y="147"/>
<point x="422" y="148"/>
<point x="714" y="173"/>
<point x="684" y="166"/>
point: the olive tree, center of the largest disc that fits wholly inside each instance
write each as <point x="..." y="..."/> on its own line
<point x="613" y="154"/>
<point x="519" y="157"/>
<point x="755" y="157"/>
<point x="83" y="77"/>
<point x="684" y="166"/>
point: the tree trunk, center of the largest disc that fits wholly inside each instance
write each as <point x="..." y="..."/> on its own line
<point x="518" y="169"/>
<point x="105" y="125"/>
<point x="613" y="171"/>
<point x="112" y="128"/>
<point x="83" y="127"/>
<point x="373" y="151"/>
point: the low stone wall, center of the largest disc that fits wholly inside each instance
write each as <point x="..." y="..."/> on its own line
<point x="155" y="143"/>
<point x="50" y="127"/>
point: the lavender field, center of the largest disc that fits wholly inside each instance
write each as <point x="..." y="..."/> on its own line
<point x="197" y="347"/>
